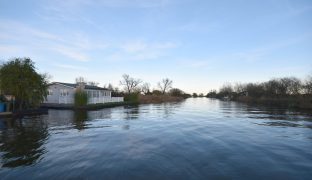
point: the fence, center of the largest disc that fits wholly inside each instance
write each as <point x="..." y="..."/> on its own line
<point x="104" y="100"/>
<point x="91" y="100"/>
<point x="65" y="100"/>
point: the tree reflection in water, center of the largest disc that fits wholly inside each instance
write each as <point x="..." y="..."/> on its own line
<point x="131" y="112"/>
<point x="22" y="141"/>
<point x="268" y="115"/>
<point x="80" y="118"/>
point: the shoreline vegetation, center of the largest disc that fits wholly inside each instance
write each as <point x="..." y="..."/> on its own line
<point x="141" y="99"/>
<point x="27" y="89"/>
<point x="155" y="99"/>
<point x="23" y="91"/>
<point x="85" y="107"/>
<point x="288" y="102"/>
<point x="289" y="92"/>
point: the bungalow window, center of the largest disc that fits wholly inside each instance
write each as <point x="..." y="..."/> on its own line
<point x="64" y="92"/>
<point x="50" y="92"/>
<point x="95" y="94"/>
<point x="89" y="93"/>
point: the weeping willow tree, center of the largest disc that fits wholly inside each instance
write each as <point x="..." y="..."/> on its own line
<point x="18" y="77"/>
<point x="81" y="98"/>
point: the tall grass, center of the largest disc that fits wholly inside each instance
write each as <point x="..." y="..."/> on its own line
<point x="81" y="98"/>
<point x="133" y="97"/>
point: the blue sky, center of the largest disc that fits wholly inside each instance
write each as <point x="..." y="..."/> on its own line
<point x="199" y="44"/>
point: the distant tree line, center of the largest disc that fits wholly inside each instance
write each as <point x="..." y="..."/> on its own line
<point x="130" y="85"/>
<point x="137" y="86"/>
<point x="274" y="88"/>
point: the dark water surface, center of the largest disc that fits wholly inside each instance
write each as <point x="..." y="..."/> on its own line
<point x="196" y="139"/>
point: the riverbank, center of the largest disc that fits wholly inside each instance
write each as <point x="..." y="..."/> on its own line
<point x="86" y="107"/>
<point x="24" y="112"/>
<point x="300" y="102"/>
<point x="141" y="99"/>
<point x="5" y="114"/>
<point x="155" y="99"/>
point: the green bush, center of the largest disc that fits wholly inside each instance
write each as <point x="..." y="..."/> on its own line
<point x="81" y="98"/>
<point x="19" y="77"/>
<point x="157" y="92"/>
<point x="133" y="97"/>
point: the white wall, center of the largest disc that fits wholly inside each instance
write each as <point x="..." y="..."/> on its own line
<point x="94" y="96"/>
<point x="56" y="94"/>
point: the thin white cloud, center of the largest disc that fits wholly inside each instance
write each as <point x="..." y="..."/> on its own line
<point x="8" y="49"/>
<point x="202" y="27"/>
<point x="199" y="64"/>
<point x="78" y="4"/>
<point x="249" y="56"/>
<point x="142" y="46"/>
<point x="71" y="67"/>
<point x="259" y="53"/>
<point x="16" y="30"/>
<point x="134" y="47"/>
<point x="78" y="46"/>
<point x="75" y="46"/>
<point x="141" y="50"/>
<point x="72" y="10"/>
<point x="72" y="53"/>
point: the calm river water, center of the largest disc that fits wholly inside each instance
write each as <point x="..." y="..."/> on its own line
<point x="195" y="139"/>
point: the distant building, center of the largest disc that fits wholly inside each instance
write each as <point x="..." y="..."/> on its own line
<point x="63" y="93"/>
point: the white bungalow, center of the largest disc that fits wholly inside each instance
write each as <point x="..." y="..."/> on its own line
<point x="63" y="93"/>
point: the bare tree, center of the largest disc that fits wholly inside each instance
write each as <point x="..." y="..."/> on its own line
<point x="80" y="80"/>
<point x="308" y="85"/>
<point x="93" y="83"/>
<point x="165" y="85"/>
<point x="145" y="88"/>
<point x="130" y="84"/>
<point x="176" y="92"/>
<point x="226" y="89"/>
<point x="295" y="85"/>
<point x="239" y="87"/>
<point x="109" y="87"/>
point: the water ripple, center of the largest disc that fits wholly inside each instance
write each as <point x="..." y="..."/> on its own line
<point x="196" y="139"/>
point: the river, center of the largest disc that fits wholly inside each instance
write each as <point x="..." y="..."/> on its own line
<point x="198" y="138"/>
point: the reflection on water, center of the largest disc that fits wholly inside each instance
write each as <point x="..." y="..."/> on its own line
<point x="269" y="116"/>
<point x="80" y="118"/>
<point x="21" y="141"/>
<point x="199" y="139"/>
<point x="131" y="112"/>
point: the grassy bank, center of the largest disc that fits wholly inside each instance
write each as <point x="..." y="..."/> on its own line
<point x="149" y="99"/>
<point x="132" y="99"/>
<point x="104" y="105"/>
<point x="21" y="113"/>
<point x="301" y="102"/>
<point x="86" y="107"/>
